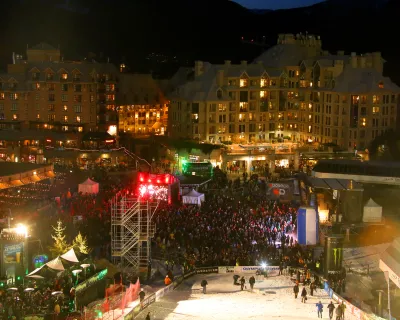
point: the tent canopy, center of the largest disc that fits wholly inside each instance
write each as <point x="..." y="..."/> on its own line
<point x="88" y="186"/>
<point x="372" y="204"/>
<point x="70" y="256"/>
<point x="193" y="197"/>
<point x="56" y="264"/>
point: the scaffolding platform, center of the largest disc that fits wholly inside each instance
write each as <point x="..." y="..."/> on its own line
<point x="131" y="232"/>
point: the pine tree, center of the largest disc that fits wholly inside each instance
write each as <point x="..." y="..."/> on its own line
<point x="80" y="244"/>
<point x="60" y="244"/>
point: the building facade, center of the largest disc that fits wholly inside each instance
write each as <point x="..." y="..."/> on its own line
<point x="143" y="108"/>
<point x="43" y="92"/>
<point x="294" y="91"/>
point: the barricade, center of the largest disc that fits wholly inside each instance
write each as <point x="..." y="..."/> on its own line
<point x="356" y="312"/>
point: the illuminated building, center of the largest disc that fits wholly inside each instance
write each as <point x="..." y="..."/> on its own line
<point x="143" y="109"/>
<point x="45" y="92"/>
<point x="294" y="91"/>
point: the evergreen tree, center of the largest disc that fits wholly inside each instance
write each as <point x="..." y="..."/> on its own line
<point x="80" y="244"/>
<point x="60" y="244"/>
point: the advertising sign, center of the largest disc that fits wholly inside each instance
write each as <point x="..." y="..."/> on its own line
<point x="226" y="269"/>
<point x="271" y="270"/>
<point x="333" y="255"/>
<point x="12" y="253"/>
<point x="207" y="270"/>
<point x="280" y="190"/>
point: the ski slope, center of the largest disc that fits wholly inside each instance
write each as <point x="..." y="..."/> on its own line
<point x="272" y="299"/>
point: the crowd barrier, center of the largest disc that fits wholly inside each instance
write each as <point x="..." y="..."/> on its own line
<point x="136" y="307"/>
<point x="356" y="312"/>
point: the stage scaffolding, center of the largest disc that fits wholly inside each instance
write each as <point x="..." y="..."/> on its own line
<point x="131" y="232"/>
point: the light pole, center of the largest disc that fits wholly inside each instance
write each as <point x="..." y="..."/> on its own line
<point x="388" y="288"/>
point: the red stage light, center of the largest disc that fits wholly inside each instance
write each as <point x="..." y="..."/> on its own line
<point x="149" y="181"/>
<point x="158" y="181"/>
<point x="167" y="180"/>
<point x="141" y="179"/>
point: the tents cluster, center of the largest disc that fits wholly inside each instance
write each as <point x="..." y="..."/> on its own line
<point x="57" y="265"/>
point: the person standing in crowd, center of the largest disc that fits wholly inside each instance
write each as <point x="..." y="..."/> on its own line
<point x="342" y="310"/>
<point x="204" y="284"/>
<point x="304" y="295"/>
<point x="235" y="279"/>
<point x="167" y="280"/>
<point x="242" y="283"/>
<point x="319" y="309"/>
<point x="280" y="269"/>
<point x="312" y="288"/>
<point x="338" y="313"/>
<point x="142" y="294"/>
<point x="148" y="316"/>
<point x="331" y="308"/>
<point x="296" y="290"/>
<point x="252" y="281"/>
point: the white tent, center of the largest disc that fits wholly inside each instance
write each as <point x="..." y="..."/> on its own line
<point x="372" y="212"/>
<point x="193" y="197"/>
<point x="89" y="186"/>
<point x="56" y="264"/>
<point x="70" y="256"/>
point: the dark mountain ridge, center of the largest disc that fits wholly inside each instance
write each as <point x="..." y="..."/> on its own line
<point x="198" y="29"/>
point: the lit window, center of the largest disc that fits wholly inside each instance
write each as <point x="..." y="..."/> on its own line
<point x="65" y="118"/>
<point x="364" y="122"/>
<point x="37" y="86"/>
<point x="381" y="86"/>
<point x="64" y="76"/>
<point x="65" y="108"/>
<point x="38" y="116"/>
<point x="263" y="83"/>
<point x="15" y="117"/>
<point x="80" y="129"/>
<point x="375" y="110"/>
<point x="64" y="128"/>
<point x="78" y="119"/>
<point x="244" y="82"/>
<point x="263" y="94"/>
<point x="309" y="129"/>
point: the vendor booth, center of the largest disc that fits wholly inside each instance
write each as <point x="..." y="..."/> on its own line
<point x="193" y="197"/>
<point x="89" y="186"/>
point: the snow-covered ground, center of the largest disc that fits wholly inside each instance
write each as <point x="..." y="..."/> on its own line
<point x="272" y="298"/>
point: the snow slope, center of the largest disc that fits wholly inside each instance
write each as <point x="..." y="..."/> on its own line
<point x="273" y="299"/>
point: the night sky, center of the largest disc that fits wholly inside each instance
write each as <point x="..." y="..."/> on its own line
<point x="276" y="4"/>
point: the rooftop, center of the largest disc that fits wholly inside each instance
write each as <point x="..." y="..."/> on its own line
<point x="11" y="168"/>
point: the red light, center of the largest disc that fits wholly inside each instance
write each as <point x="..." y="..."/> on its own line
<point x="158" y="181"/>
<point x="149" y="181"/>
<point x="167" y="180"/>
<point x="141" y="179"/>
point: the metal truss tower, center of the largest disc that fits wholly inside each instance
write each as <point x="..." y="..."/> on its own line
<point x="131" y="232"/>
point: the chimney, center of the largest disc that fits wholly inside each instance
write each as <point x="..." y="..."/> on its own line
<point x="227" y="62"/>
<point x="243" y="63"/>
<point x="363" y="62"/>
<point x="198" y="68"/>
<point x="354" y="62"/>
<point x="340" y="53"/>
<point x="220" y="78"/>
<point x="377" y="62"/>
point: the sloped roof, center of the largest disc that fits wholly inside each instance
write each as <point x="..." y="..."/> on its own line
<point x="193" y="194"/>
<point x="372" y="204"/>
<point x="283" y="55"/>
<point x="363" y="80"/>
<point x="43" y="46"/>
<point x="88" y="182"/>
<point x="70" y="255"/>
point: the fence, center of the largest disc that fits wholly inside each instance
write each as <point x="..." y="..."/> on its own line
<point x="356" y="312"/>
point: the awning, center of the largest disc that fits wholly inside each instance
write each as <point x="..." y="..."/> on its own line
<point x="26" y="180"/>
<point x="70" y="256"/>
<point x="50" y="174"/>
<point x="4" y="185"/>
<point x="35" y="178"/>
<point x="16" y="183"/>
<point x="157" y="125"/>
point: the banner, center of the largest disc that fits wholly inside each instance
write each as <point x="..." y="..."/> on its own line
<point x="12" y="253"/>
<point x="226" y="269"/>
<point x="207" y="270"/>
<point x="271" y="270"/>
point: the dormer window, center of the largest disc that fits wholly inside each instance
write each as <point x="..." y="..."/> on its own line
<point x="244" y="82"/>
<point x="381" y="85"/>
<point x="219" y="94"/>
<point x="64" y="76"/>
<point x="263" y="82"/>
<point x="50" y="76"/>
<point x="35" y="76"/>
